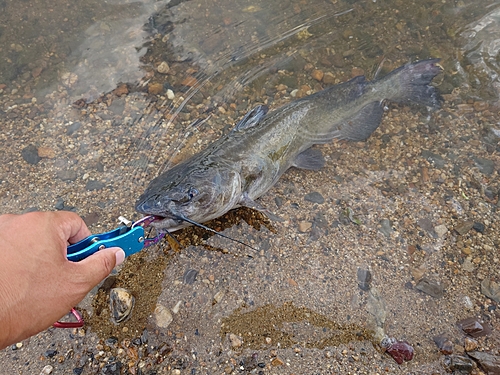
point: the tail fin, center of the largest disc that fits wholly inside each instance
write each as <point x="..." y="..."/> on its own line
<point x="412" y="82"/>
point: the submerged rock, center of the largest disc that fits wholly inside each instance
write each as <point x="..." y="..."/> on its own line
<point x="121" y="303"/>
<point x="473" y="327"/>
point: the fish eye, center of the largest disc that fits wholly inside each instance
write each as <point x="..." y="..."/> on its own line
<point x="192" y="192"/>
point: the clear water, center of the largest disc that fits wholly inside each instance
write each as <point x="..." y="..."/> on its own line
<point x="61" y="64"/>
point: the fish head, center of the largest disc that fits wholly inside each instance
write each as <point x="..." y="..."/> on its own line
<point x="185" y="195"/>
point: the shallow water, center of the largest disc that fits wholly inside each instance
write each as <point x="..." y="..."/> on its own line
<point x="87" y="122"/>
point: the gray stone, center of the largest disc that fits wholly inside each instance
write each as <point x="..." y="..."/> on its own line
<point x="491" y="289"/>
<point x="30" y="154"/>
<point x="67" y="174"/>
<point x="314" y="197"/>
<point x="489" y="362"/>
<point x="485" y="166"/>
<point x="430" y="287"/>
<point x="435" y="159"/>
<point x="94" y="185"/>
<point x="386" y="227"/>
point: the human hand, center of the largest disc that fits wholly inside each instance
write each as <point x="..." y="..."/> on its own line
<point x="38" y="285"/>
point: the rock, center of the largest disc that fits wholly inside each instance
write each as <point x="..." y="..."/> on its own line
<point x="317" y="75"/>
<point x="479" y="227"/>
<point x="314" y="197"/>
<point x="47" y="370"/>
<point x="463" y="227"/>
<point x="163" y="68"/>
<point x="328" y="78"/>
<point x="94" y="185"/>
<point x="235" y="341"/>
<point x="121" y="90"/>
<point x="364" y="279"/>
<point x="113" y="368"/>
<point x="430" y="287"/>
<point x="470" y="344"/>
<point x="444" y="344"/>
<point x="189" y="276"/>
<point x="50" y="353"/>
<point x="472" y="327"/>
<point x="399" y="350"/>
<point x="121" y="303"/>
<point x="163" y="316"/>
<point x="485" y="166"/>
<point x="189" y="81"/>
<point x="46" y="152"/>
<point x="67" y="174"/>
<point x="73" y="128"/>
<point x="435" y="159"/>
<point x="155" y="88"/>
<point x="491" y="289"/>
<point x="386" y="227"/>
<point x="30" y="154"/>
<point x="489" y="362"/>
<point x="277" y="362"/>
<point x="170" y="94"/>
<point x="441" y="230"/>
<point x="59" y="204"/>
<point x="460" y="364"/>
<point x="304" y="226"/>
<point x="467" y="265"/>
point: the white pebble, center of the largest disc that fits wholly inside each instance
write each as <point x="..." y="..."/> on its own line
<point x="47" y="370"/>
<point x="170" y="94"/>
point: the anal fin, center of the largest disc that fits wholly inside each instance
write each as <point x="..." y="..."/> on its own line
<point x="311" y="159"/>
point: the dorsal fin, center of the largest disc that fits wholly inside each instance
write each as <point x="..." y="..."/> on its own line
<point x="252" y="118"/>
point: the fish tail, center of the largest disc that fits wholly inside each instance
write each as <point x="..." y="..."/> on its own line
<point x="411" y="83"/>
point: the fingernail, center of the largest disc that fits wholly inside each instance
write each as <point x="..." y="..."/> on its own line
<point x="120" y="257"/>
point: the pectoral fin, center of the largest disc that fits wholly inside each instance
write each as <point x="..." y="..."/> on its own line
<point x="246" y="201"/>
<point x="311" y="159"/>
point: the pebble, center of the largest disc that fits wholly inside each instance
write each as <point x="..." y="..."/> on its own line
<point x="430" y="287"/>
<point x="155" y="88"/>
<point x="491" y="289"/>
<point x="93" y="185"/>
<point x="460" y="364"/>
<point x="486" y="166"/>
<point x="170" y="94"/>
<point x="463" y="227"/>
<point x="328" y="78"/>
<point x="121" y="303"/>
<point x="46" y="152"/>
<point x="470" y="344"/>
<point x="235" y="341"/>
<point x="30" y="154"/>
<point x="479" y="227"/>
<point x="47" y="370"/>
<point x="399" y="350"/>
<point x="489" y="362"/>
<point x="314" y="197"/>
<point x="163" y="316"/>
<point x="441" y="230"/>
<point x="163" y="68"/>
<point x="304" y="226"/>
<point x="121" y="90"/>
<point x="364" y="279"/>
<point x="444" y="344"/>
<point x="473" y="327"/>
<point x="467" y="265"/>
<point x="277" y="362"/>
<point x="67" y="174"/>
<point x="19" y="345"/>
<point x="189" y="276"/>
<point x="386" y="227"/>
<point x="435" y="159"/>
<point x="317" y="75"/>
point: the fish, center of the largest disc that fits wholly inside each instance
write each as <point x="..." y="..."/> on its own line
<point x="238" y="168"/>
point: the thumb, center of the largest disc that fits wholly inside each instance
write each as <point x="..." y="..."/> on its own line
<point x="100" y="264"/>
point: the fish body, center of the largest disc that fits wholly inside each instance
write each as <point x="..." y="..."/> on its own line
<point x="241" y="166"/>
